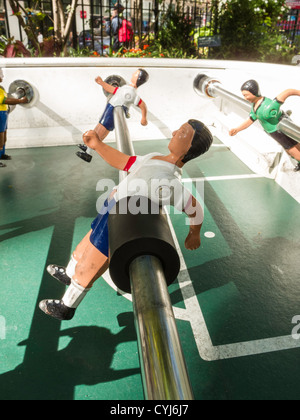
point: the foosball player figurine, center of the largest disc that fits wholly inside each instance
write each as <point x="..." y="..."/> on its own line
<point x="121" y="96"/>
<point x="4" y="111"/>
<point x="268" y="112"/>
<point x="91" y="257"/>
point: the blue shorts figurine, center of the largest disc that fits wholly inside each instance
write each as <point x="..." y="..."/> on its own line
<point x="90" y="259"/>
<point x="124" y="96"/>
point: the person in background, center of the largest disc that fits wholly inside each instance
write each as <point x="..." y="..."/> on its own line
<point x="4" y="110"/>
<point x="112" y="27"/>
<point x="40" y="38"/>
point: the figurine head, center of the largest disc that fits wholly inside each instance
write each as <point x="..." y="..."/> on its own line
<point x="139" y="77"/>
<point x="201" y="142"/>
<point x="253" y="87"/>
<point x="192" y="140"/>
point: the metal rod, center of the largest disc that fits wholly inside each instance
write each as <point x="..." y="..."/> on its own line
<point x="163" y="367"/>
<point x="212" y="88"/>
<point x="216" y="90"/>
<point x="123" y="140"/>
<point x="164" y="371"/>
<point x="124" y="143"/>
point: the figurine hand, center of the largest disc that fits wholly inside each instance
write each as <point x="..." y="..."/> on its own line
<point x="144" y="121"/>
<point x="99" y="80"/>
<point x="233" y="132"/>
<point x="192" y="241"/>
<point x="23" y="100"/>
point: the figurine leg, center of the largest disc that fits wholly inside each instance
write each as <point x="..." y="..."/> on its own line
<point x="101" y="131"/>
<point x="295" y="153"/>
<point x="93" y="261"/>
<point x="2" y="142"/>
<point x="65" y="274"/>
<point x="106" y="123"/>
<point x="2" y="148"/>
<point x="3" y="138"/>
<point x="92" y="265"/>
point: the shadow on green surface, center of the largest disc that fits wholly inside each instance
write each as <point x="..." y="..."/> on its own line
<point x="53" y="375"/>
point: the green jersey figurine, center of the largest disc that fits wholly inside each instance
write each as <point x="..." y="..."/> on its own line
<point x="268" y="113"/>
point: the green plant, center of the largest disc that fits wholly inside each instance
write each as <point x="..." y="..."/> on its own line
<point x="79" y="52"/>
<point x="9" y="47"/>
<point x="154" y="50"/>
<point x="176" y="34"/>
<point x="249" y="30"/>
<point x="30" y="18"/>
<point x="3" y="43"/>
<point x="175" y="38"/>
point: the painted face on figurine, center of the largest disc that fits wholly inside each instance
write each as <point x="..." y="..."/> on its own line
<point x="182" y="140"/>
<point x="249" y="96"/>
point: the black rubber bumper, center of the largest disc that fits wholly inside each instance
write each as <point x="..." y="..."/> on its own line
<point x="134" y="235"/>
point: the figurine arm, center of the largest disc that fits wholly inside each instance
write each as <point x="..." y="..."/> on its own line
<point x="112" y="156"/>
<point x="286" y="94"/>
<point x="14" y="101"/>
<point x="246" y="124"/>
<point x="195" y="213"/>
<point x="143" y="108"/>
<point x="106" y="86"/>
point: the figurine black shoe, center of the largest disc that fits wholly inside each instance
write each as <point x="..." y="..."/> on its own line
<point x="5" y="157"/>
<point x="297" y="168"/>
<point x="57" y="309"/>
<point x="84" y="156"/>
<point x="2" y="165"/>
<point x="59" y="273"/>
<point x="82" y="147"/>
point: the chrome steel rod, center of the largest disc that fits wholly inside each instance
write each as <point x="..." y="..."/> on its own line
<point x="163" y="367"/>
<point x="212" y="88"/>
<point x="124" y="143"/>
<point x="164" y="371"/>
<point x="123" y="140"/>
<point x="216" y="90"/>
